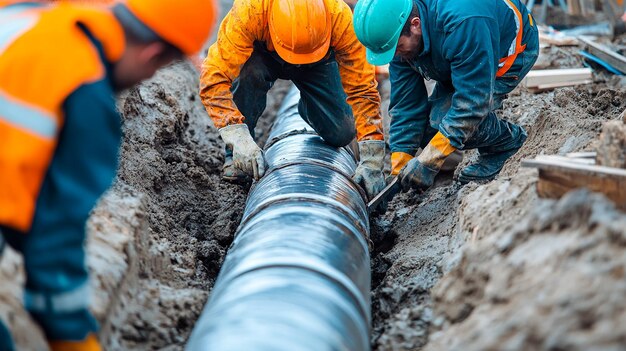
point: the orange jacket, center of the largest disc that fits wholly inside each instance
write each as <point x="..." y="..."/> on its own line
<point x="44" y="57"/>
<point x="246" y="23"/>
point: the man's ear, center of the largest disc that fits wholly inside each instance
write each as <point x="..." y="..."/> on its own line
<point x="416" y="25"/>
<point x="415" y="21"/>
<point x="152" y="53"/>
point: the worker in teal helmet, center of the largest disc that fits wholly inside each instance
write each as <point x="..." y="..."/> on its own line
<point x="477" y="52"/>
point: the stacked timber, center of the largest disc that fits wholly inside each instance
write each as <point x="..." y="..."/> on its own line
<point x="603" y="171"/>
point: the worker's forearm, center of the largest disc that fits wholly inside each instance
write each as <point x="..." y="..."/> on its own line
<point x="363" y="96"/>
<point x="216" y="96"/>
<point x="218" y="101"/>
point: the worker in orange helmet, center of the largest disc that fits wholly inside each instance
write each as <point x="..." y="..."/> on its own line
<point x="61" y="65"/>
<point x="312" y="43"/>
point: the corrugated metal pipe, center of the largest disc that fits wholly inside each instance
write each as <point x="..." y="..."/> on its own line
<point x="297" y="276"/>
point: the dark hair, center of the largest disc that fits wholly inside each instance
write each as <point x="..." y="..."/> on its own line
<point x="407" y="25"/>
<point x="137" y="32"/>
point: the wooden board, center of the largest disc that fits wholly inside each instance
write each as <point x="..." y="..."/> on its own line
<point x="555" y="77"/>
<point x="567" y="159"/>
<point x="545" y="87"/>
<point x="584" y="154"/>
<point x="558" y="175"/>
<point x="557" y="41"/>
<point x="605" y="54"/>
<point x="555" y="162"/>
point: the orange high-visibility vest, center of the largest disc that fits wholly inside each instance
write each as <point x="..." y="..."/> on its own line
<point x="44" y="56"/>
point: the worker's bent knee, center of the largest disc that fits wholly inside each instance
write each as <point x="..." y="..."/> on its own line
<point x="340" y="138"/>
<point x="254" y="73"/>
<point x="253" y="77"/>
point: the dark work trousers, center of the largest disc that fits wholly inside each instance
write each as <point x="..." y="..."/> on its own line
<point x="322" y="98"/>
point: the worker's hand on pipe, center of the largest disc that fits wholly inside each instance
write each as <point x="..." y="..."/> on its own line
<point x="369" y="173"/>
<point x="247" y="155"/>
<point x="417" y="175"/>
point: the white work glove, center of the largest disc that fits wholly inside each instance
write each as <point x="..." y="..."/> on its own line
<point x="369" y="172"/>
<point x="247" y="155"/>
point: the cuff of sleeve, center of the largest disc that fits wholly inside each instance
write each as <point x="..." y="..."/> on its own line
<point x="454" y="141"/>
<point x="223" y="121"/>
<point x="442" y="144"/>
<point x="435" y="153"/>
<point x="398" y="161"/>
<point x="369" y="128"/>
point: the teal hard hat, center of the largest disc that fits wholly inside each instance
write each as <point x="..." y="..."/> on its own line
<point x="378" y="24"/>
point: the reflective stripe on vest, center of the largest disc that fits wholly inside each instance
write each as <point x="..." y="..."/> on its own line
<point x="12" y="28"/>
<point x="17" y="9"/>
<point x="28" y="118"/>
<point x="16" y="19"/>
<point x="516" y="47"/>
<point x="66" y="302"/>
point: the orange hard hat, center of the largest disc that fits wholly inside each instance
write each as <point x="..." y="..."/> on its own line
<point x="300" y="30"/>
<point x="186" y="24"/>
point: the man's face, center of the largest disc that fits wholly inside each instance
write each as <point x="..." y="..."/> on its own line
<point x="409" y="46"/>
<point x="140" y="62"/>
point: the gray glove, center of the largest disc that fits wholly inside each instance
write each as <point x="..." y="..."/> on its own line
<point x="369" y="173"/>
<point x="247" y="155"/>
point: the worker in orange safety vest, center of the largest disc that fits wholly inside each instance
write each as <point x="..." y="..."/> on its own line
<point x="60" y="67"/>
<point x="312" y="43"/>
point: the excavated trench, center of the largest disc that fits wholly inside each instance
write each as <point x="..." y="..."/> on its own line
<point x="475" y="267"/>
<point x="297" y="276"/>
<point x="172" y="157"/>
<point x="457" y="267"/>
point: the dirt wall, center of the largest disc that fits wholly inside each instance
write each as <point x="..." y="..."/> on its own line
<point x="426" y="236"/>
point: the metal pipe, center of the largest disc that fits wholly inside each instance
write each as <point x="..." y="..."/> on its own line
<point x="297" y="276"/>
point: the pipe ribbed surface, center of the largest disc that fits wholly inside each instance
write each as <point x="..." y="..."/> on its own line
<point x="297" y="276"/>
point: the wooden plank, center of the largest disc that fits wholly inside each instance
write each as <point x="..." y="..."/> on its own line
<point x="558" y="175"/>
<point x="556" y="40"/>
<point x="561" y="84"/>
<point x="584" y="154"/>
<point x="555" y="183"/>
<point x="563" y="163"/>
<point x="563" y="73"/>
<point x="556" y="158"/>
<point x="554" y="76"/>
<point x="605" y="54"/>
